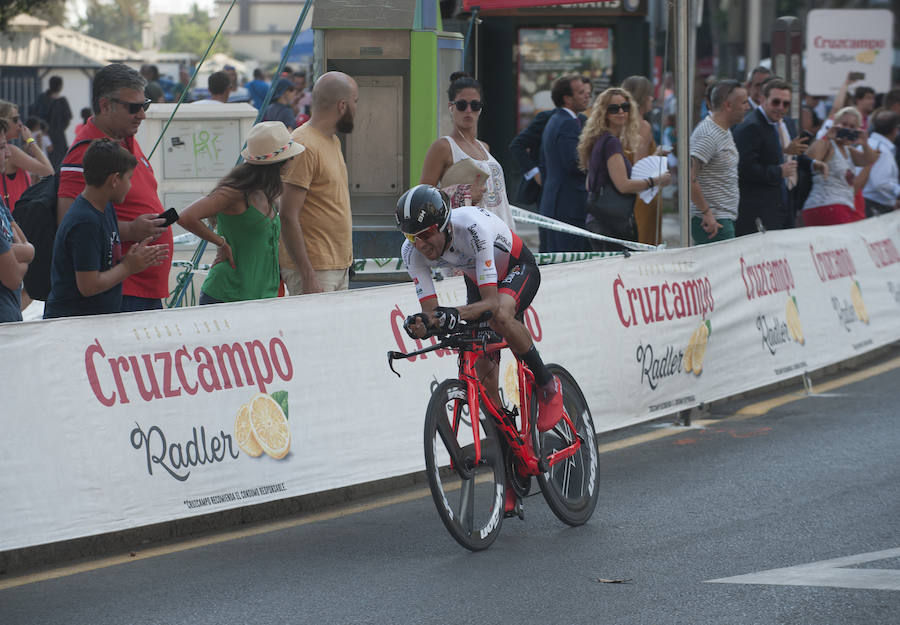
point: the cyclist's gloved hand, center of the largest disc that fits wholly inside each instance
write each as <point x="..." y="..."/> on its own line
<point x="446" y="319"/>
<point x="410" y="323"/>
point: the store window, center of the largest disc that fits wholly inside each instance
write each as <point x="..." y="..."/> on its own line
<point x="546" y="53"/>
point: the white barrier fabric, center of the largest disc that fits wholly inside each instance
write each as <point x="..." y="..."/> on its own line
<point x="126" y="420"/>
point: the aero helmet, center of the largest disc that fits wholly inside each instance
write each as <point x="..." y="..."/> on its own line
<point x="421" y="207"/>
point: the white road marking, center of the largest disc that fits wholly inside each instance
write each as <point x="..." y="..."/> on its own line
<point x="828" y="573"/>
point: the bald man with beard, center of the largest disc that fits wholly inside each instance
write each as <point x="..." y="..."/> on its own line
<point x="316" y="224"/>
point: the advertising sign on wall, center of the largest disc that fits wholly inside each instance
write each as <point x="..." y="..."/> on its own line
<point x="840" y="41"/>
<point x="134" y="419"/>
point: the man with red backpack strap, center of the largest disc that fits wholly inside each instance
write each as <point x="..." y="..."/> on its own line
<point x="119" y="108"/>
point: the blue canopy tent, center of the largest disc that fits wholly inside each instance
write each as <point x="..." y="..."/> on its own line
<point x="302" y="50"/>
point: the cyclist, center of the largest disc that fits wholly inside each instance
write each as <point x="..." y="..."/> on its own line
<point x="501" y="277"/>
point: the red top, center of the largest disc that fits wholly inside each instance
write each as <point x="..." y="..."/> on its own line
<point x="142" y="199"/>
<point x="13" y="188"/>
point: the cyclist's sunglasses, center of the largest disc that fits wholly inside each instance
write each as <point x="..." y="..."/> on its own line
<point x="612" y="109"/>
<point x="422" y="235"/>
<point x="134" y="107"/>
<point x="475" y="105"/>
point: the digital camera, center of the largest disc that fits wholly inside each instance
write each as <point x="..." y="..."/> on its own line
<point x="848" y="134"/>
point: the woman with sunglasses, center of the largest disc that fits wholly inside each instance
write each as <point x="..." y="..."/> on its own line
<point x="832" y="197"/>
<point x="465" y="106"/>
<point x="244" y="206"/>
<point x="611" y="129"/>
<point x="29" y="158"/>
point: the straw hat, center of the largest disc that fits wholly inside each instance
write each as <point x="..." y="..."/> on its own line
<point x="270" y="142"/>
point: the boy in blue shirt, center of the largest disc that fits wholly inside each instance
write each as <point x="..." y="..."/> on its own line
<point x="88" y="265"/>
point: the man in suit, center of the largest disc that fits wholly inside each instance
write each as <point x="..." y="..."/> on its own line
<point x="769" y="154"/>
<point x="755" y="79"/>
<point x="526" y="149"/>
<point x="564" y="196"/>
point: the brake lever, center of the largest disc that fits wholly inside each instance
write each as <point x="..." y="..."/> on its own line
<point x="391" y="355"/>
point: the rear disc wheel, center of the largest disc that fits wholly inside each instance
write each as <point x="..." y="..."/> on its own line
<point x="571" y="485"/>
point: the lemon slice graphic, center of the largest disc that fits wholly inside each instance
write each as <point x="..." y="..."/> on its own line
<point x="270" y="426"/>
<point x="866" y="56"/>
<point x="244" y="435"/>
<point x="859" y="306"/>
<point x="702" y="337"/>
<point x="511" y="384"/>
<point x="687" y="361"/>
<point x="792" y="317"/>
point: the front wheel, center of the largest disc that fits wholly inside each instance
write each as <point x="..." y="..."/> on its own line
<point x="571" y="485"/>
<point x="468" y="495"/>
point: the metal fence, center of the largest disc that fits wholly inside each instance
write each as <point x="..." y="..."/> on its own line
<point x="21" y="86"/>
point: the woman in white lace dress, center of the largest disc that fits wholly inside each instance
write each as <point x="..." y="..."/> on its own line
<point x="465" y="102"/>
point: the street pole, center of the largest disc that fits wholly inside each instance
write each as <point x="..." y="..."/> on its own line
<point x="754" y="33"/>
<point x="685" y="62"/>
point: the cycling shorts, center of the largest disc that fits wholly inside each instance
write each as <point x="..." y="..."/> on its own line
<point x="521" y="282"/>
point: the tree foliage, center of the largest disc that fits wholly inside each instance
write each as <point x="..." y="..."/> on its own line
<point x="116" y="21"/>
<point x="54" y="11"/>
<point x="191" y="32"/>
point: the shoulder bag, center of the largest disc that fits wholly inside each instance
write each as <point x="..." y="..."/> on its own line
<point x="613" y="212"/>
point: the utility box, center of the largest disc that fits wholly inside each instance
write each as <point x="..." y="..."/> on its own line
<point x="394" y="51"/>
<point x="200" y="145"/>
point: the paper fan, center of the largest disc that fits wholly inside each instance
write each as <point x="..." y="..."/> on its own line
<point x="649" y="167"/>
<point x="466" y="171"/>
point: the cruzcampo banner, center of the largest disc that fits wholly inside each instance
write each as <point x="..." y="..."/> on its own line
<point x="127" y="420"/>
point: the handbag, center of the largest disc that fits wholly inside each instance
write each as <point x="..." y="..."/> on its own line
<point x="612" y="211"/>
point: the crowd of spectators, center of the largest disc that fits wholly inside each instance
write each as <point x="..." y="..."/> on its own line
<point x="113" y="246"/>
<point x="752" y="168"/>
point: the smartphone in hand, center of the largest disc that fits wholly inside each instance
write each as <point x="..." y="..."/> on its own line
<point x="848" y="134"/>
<point x="854" y="76"/>
<point x="171" y="216"/>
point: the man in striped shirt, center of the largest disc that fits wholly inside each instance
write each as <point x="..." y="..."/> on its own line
<point x="714" y="165"/>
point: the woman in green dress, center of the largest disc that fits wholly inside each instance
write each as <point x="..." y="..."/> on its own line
<point x="247" y="226"/>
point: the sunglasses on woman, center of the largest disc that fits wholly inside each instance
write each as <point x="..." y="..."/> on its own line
<point x="475" y="105"/>
<point x="612" y="109"/>
<point x="422" y="235"/>
<point x="134" y="107"/>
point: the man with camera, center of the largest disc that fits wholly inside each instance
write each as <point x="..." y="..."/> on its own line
<point x="770" y="153"/>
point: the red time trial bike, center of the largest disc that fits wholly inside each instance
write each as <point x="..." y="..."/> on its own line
<point x="473" y="446"/>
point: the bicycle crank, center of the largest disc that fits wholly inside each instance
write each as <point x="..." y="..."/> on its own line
<point x="521" y="484"/>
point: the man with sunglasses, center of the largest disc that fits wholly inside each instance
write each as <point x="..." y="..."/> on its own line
<point x="119" y="108"/>
<point x="501" y="277"/>
<point x="770" y="153"/>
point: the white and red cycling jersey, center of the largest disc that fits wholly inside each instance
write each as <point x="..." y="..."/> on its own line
<point x="482" y="247"/>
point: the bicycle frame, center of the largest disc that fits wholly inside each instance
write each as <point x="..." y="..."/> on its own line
<point x="470" y="349"/>
<point x="476" y="392"/>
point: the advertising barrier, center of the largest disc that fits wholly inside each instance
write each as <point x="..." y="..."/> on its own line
<point x="126" y="420"/>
